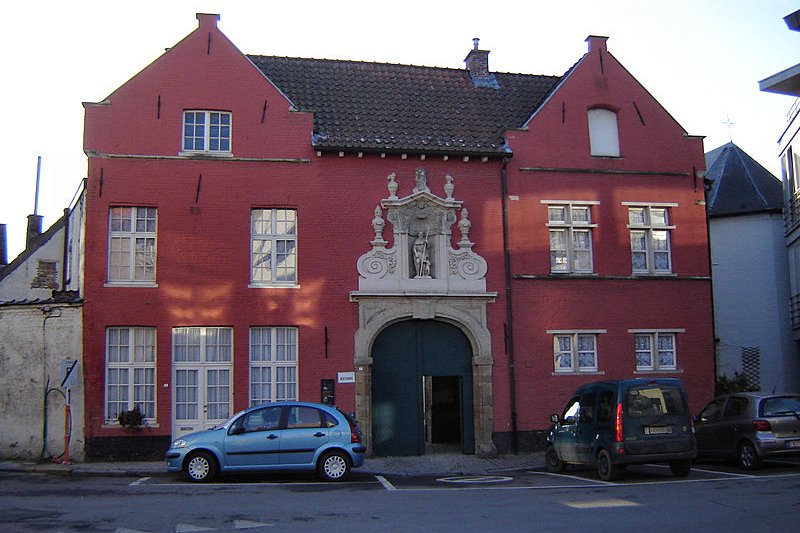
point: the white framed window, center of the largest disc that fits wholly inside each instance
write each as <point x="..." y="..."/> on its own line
<point x="132" y="233"/>
<point x="650" y="239"/>
<point x="202" y="345"/>
<point x="603" y="132"/>
<point x="273" y="364"/>
<point x="273" y="249"/>
<point x="655" y="350"/>
<point x="130" y="371"/>
<point x="575" y="351"/>
<point x="207" y="131"/>
<point x="570" y="226"/>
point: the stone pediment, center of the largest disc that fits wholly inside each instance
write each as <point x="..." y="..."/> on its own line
<point x="420" y="257"/>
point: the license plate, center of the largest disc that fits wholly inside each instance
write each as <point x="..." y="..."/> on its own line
<point x="658" y="430"/>
<point x="793" y="443"/>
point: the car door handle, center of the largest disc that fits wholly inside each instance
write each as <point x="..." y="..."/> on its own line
<point x="319" y="434"/>
<point x="272" y="436"/>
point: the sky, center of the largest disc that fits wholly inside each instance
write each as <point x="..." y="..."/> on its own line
<point x="701" y="59"/>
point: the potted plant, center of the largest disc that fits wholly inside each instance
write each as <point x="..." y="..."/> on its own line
<point x="132" y="418"/>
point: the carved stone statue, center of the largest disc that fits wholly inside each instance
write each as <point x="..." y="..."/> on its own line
<point x="422" y="262"/>
<point x="421" y="181"/>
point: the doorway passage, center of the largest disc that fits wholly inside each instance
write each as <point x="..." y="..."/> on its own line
<point x="442" y="400"/>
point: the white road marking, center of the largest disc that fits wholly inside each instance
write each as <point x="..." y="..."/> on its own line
<point x="187" y="528"/>
<point x="599" y="504"/>
<point x="386" y="483"/>
<point x="139" y="481"/>
<point x="249" y="524"/>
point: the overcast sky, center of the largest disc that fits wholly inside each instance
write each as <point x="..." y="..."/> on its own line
<point x="701" y="59"/>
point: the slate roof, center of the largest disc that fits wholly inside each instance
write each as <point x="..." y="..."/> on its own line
<point x="740" y="185"/>
<point x="382" y="107"/>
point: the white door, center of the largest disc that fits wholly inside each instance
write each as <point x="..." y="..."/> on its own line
<point x="202" y="378"/>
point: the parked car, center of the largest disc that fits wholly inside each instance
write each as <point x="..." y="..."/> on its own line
<point x="611" y="424"/>
<point x="283" y="436"/>
<point x="749" y="427"/>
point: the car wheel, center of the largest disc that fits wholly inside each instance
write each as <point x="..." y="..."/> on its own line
<point x="553" y="461"/>
<point x="680" y="468"/>
<point x="605" y="468"/>
<point x="748" y="456"/>
<point x="201" y="467"/>
<point x="334" y="466"/>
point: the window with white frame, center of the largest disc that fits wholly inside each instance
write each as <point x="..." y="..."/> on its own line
<point x="650" y="239"/>
<point x="130" y="371"/>
<point x="603" y="132"/>
<point x="273" y="250"/>
<point x="273" y="364"/>
<point x="575" y="351"/>
<point x="202" y="345"/>
<point x="132" y="244"/>
<point x="207" y="131"/>
<point x="570" y="227"/>
<point x="655" y="350"/>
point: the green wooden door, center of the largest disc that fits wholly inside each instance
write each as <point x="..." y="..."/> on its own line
<point x="402" y="354"/>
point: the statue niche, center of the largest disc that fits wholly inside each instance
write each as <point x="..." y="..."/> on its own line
<point x="421" y="257"/>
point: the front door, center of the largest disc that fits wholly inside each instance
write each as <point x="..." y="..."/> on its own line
<point x="408" y="358"/>
<point x="202" y="398"/>
<point x="202" y="368"/>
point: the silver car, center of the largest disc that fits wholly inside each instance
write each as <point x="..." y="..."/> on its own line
<point x="749" y="427"/>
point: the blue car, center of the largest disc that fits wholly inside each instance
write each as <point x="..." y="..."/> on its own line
<point x="282" y="436"/>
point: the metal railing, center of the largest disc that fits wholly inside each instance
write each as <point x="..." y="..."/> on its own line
<point x="791" y="213"/>
<point x="794" y="310"/>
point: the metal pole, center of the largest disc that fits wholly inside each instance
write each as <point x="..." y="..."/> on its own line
<point x="38" y="174"/>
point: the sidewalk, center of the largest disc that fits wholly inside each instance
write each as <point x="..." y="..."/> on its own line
<point x="433" y="464"/>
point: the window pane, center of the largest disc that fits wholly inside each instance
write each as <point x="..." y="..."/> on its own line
<point x="658" y="216"/>
<point x="557" y="214"/>
<point x="603" y="134"/>
<point x="636" y="216"/>
<point x="580" y="214"/>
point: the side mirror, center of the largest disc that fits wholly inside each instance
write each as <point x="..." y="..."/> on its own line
<point x="554" y="418"/>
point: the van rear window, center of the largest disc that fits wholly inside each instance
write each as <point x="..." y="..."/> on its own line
<point x="653" y="400"/>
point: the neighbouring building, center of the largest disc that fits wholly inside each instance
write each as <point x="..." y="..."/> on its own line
<point x="446" y="252"/>
<point x="750" y="272"/>
<point x="787" y="82"/>
<point x="42" y="342"/>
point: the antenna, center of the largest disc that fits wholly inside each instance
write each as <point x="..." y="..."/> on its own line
<point x="38" y="174"/>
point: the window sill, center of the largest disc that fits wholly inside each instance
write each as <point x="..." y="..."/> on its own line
<point x="273" y="286"/>
<point x="205" y="154"/>
<point x="561" y="273"/>
<point x="658" y="371"/>
<point x="584" y="373"/>
<point x="131" y="284"/>
<point x="654" y="274"/>
<point x="114" y="425"/>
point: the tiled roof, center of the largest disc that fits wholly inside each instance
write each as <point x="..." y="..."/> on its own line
<point x="740" y="185"/>
<point x="401" y="108"/>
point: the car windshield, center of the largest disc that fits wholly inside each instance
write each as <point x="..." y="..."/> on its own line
<point x="653" y="400"/>
<point x="781" y="405"/>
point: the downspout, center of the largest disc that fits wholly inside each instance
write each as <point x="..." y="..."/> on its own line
<point x="509" y="307"/>
<point x="65" y="254"/>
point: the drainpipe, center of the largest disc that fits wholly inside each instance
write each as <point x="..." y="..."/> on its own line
<point x="509" y="307"/>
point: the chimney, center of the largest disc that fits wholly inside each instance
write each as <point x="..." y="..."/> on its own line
<point x="34" y="229"/>
<point x="478" y="62"/>
<point x="207" y="20"/>
<point x="597" y="43"/>
<point x="3" y="247"/>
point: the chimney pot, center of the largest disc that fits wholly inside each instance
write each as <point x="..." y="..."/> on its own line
<point x="206" y="19"/>
<point x="475" y="42"/>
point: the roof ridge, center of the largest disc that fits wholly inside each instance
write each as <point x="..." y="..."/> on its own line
<point x="390" y="64"/>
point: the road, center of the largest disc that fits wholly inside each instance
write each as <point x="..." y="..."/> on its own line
<point x="714" y="497"/>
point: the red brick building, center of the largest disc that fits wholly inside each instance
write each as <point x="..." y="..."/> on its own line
<point x="446" y="252"/>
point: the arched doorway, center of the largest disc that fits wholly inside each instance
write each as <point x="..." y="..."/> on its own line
<point x="422" y="389"/>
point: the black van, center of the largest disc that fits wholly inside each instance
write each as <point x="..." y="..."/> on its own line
<point x="612" y="424"/>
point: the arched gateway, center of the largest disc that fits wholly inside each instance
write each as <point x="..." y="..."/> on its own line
<point x="423" y="350"/>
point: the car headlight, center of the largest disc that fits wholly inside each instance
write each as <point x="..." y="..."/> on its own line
<point x="180" y="443"/>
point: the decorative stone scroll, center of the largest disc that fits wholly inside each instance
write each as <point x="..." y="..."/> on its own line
<point x="421" y="257"/>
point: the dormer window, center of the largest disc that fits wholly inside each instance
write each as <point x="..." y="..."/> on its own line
<point x="207" y="131"/>
<point x="603" y="133"/>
